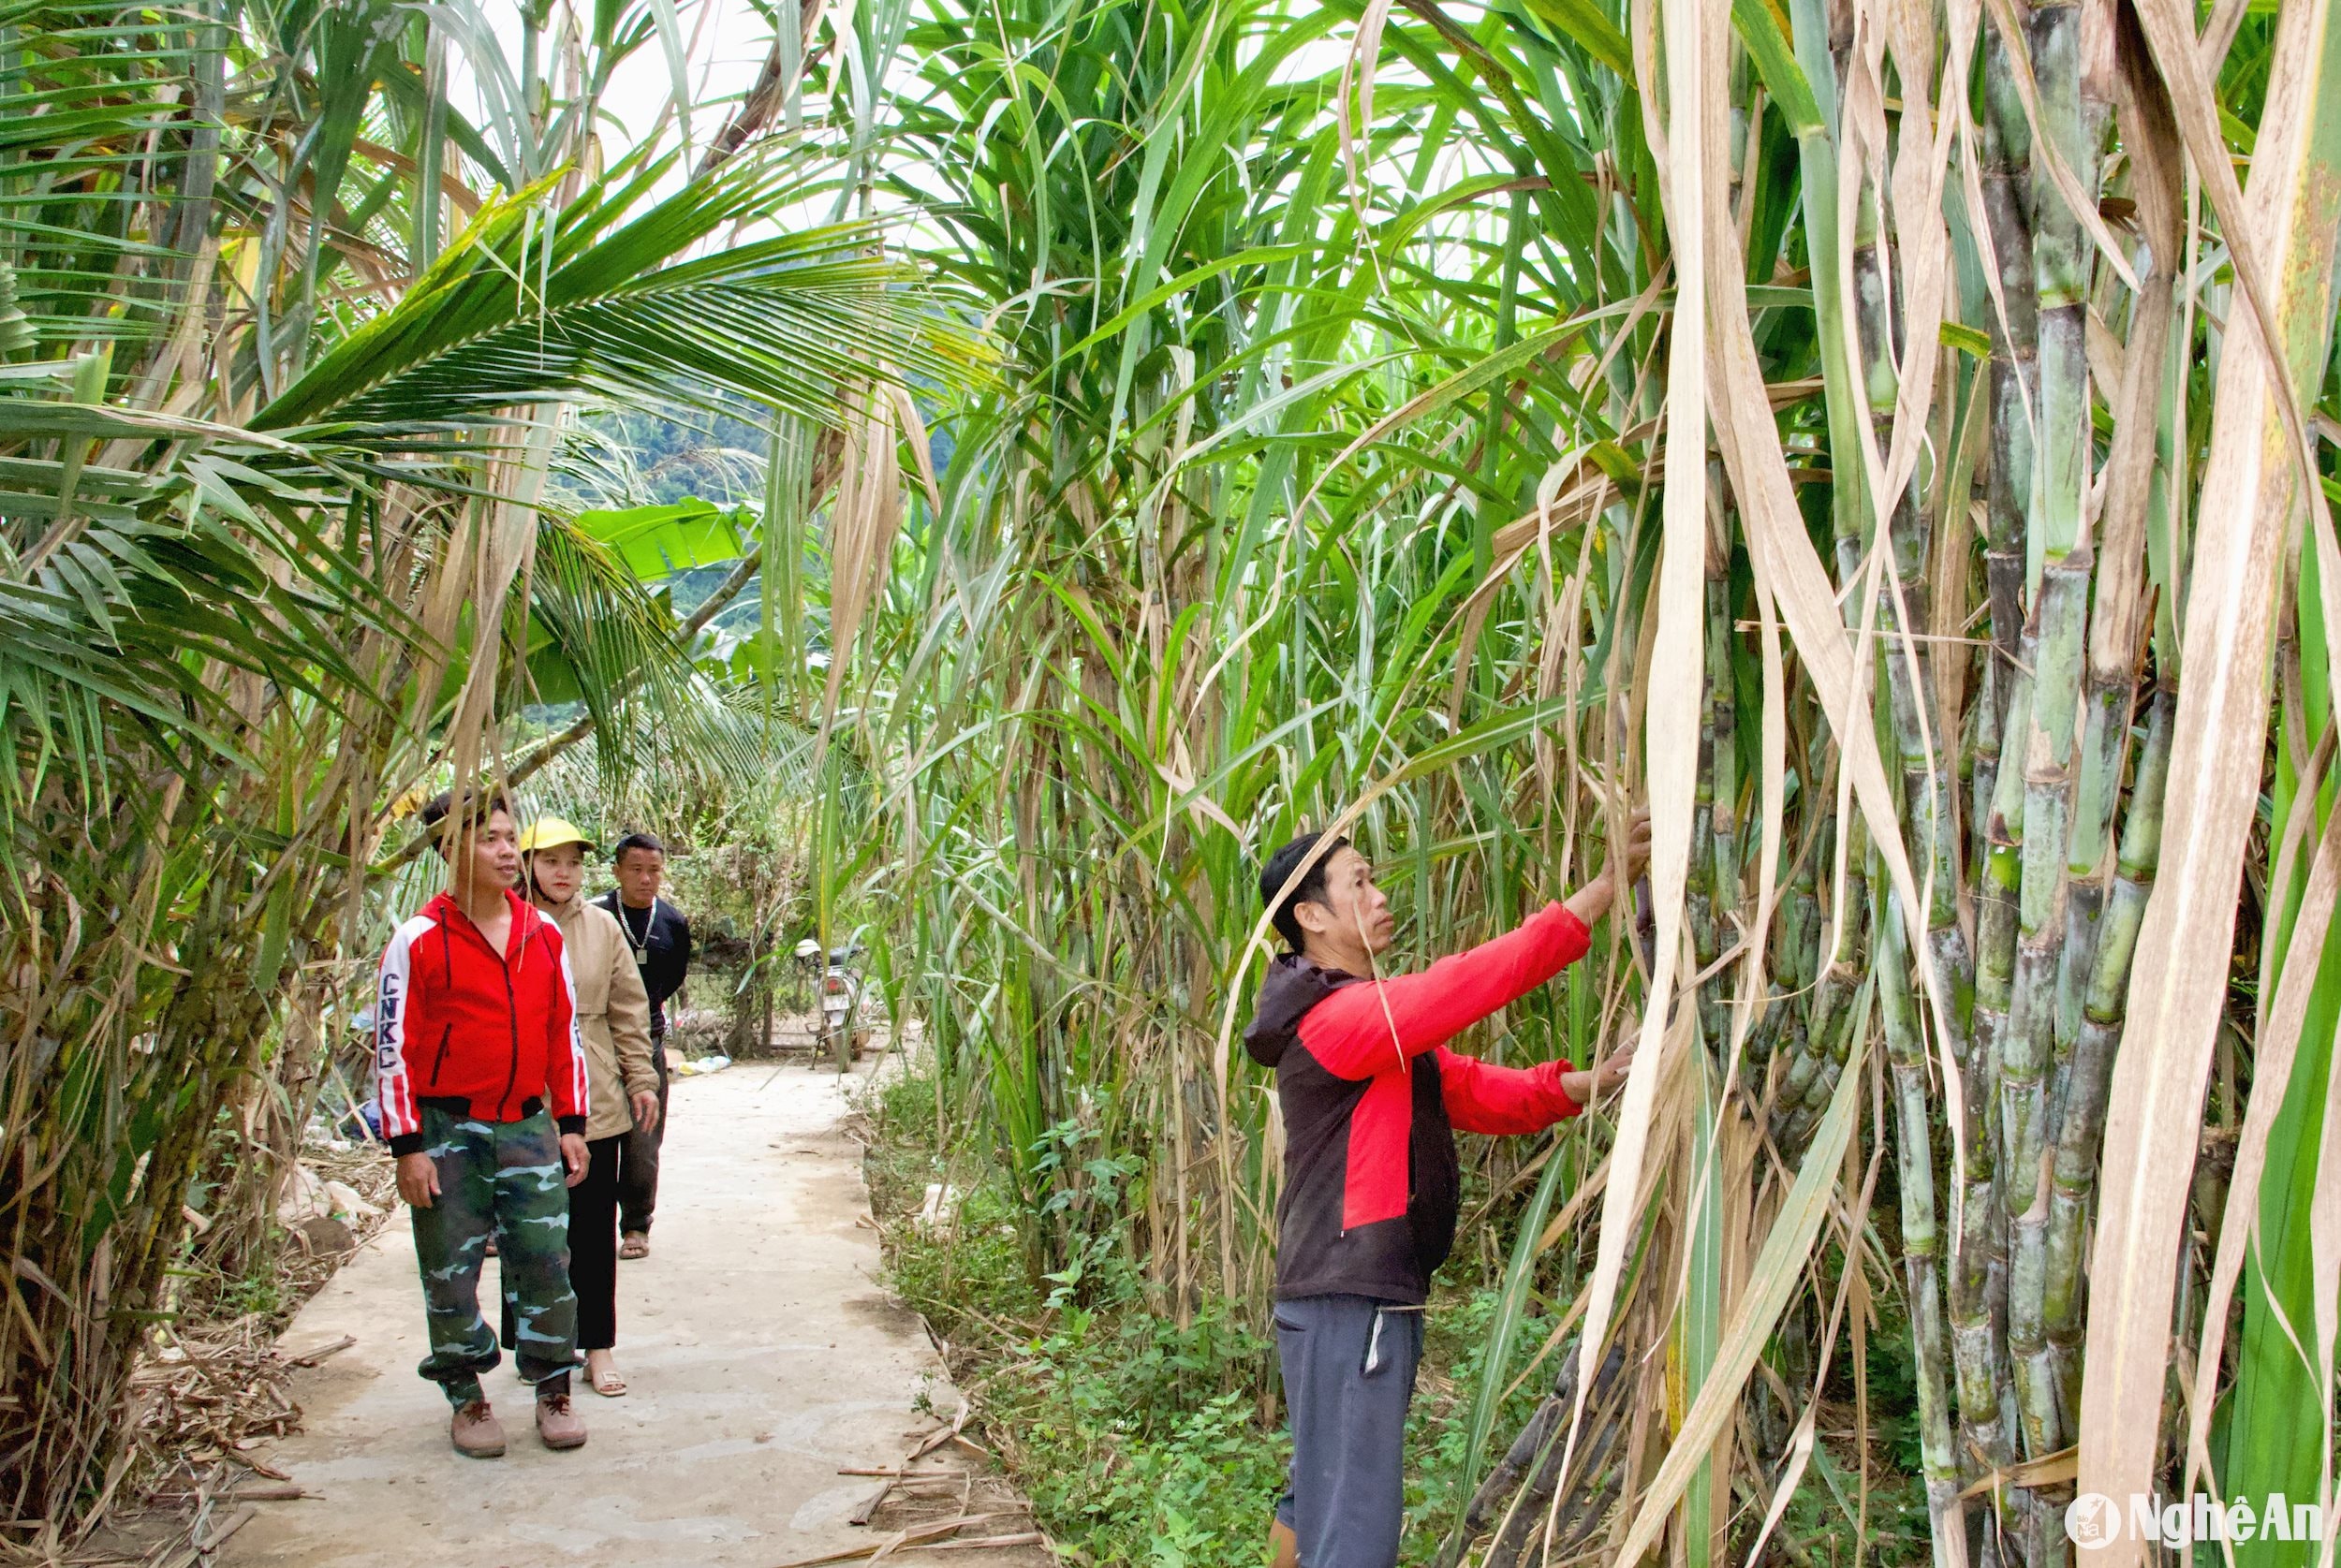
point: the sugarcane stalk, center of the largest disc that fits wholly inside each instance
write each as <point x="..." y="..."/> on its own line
<point x="2006" y="150"/>
<point x="2058" y="562"/>
<point x="2060" y="265"/>
<point x="1723" y="840"/>
<point x="1811" y="1074"/>
<point x="1517" y="1511"/>
<point x="1905" y="1060"/>
<point x="1822" y="1051"/>
<point x="1709" y="888"/>
<point x="1978" y="1281"/>
<point x="1983" y="754"/>
<point x="2107" y="704"/>
<point x="1979" y="1276"/>
<point x="2074" y="1185"/>
<point x="2027" y="1039"/>
<point x="1781" y="1031"/>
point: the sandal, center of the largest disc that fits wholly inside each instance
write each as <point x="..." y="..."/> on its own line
<point x="608" y="1384"/>
<point x="636" y="1245"/>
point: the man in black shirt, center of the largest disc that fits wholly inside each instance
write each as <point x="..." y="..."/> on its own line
<point x="661" y="940"/>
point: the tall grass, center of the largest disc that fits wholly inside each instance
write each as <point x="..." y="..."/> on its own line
<point x="286" y="342"/>
<point x="1848" y="430"/>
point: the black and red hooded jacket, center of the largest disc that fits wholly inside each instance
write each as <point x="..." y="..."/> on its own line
<point x="456" y="1020"/>
<point x="1371" y="1098"/>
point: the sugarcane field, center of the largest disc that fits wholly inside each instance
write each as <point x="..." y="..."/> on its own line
<point x="1475" y="784"/>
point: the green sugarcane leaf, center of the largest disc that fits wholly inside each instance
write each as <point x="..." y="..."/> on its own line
<point x="1967" y="340"/>
<point x="275" y="935"/>
<point x="1783" y="78"/>
<point x="1584" y="22"/>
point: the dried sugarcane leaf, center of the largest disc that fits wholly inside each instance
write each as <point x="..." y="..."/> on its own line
<point x="2250" y="495"/>
<point x="1778" y="1273"/>
<point x="2275" y="1045"/>
<point x="1676" y="673"/>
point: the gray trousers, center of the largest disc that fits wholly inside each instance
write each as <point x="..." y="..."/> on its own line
<point x="1348" y="1372"/>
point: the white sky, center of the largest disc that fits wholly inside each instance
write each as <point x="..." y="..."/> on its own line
<point x="725" y="43"/>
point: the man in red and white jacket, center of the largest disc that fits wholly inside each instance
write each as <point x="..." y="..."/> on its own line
<point x="481" y="1082"/>
<point x="1371" y="1098"/>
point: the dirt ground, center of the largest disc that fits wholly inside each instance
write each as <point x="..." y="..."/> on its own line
<point x="764" y="1359"/>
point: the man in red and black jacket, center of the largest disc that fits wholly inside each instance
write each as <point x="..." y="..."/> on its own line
<point x="482" y="1081"/>
<point x="1371" y="1098"/>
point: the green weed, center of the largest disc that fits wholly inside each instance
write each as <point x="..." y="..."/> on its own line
<point x="1137" y="1441"/>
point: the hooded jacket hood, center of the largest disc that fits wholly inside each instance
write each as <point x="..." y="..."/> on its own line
<point x="1293" y="987"/>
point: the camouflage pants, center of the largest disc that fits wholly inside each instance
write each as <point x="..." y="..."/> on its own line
<point x="503" y="1179"/>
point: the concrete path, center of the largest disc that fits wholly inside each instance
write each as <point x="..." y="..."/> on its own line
<point x="763" y="1358"/>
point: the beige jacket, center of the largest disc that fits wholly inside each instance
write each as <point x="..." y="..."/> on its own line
<point x="612" y="1014"/>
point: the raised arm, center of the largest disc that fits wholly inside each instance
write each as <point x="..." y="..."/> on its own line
<point x="1484" y="1098"/>
<point x="1361" y="1029"/>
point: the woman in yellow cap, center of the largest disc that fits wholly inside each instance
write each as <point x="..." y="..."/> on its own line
<point x="613" y="1023"/>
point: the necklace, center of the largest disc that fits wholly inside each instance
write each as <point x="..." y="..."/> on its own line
<point x="640" y="943"/>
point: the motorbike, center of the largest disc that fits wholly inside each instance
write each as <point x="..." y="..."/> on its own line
<point x="840" y="996"/>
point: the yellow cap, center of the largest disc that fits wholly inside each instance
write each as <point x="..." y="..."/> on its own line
<point x="547" y="831"/>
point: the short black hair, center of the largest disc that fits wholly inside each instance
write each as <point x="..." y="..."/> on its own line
<point x="637" y="841"/>
<point x="477" y="808"/>
<point x="1311" y="888"/>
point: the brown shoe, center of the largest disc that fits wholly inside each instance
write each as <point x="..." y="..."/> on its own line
<point x="476" y="1431"/>
<point x="560" y="1425"/>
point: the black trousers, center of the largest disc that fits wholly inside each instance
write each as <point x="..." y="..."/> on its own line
<point x="593" y="1250"/>
<point x="593" y="1245"/>
<point x="638" y="1161"/>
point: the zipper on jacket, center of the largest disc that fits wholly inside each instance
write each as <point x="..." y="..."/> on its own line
<point x="512" y="1018"/>
<point x="512" y="1011"/>
<point x="446" y="1034"/>
<point x="512" y="1002"/>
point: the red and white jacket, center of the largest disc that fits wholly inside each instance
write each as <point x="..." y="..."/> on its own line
<point x="1372" y="1098"/>
<point x="455" y="1021"/>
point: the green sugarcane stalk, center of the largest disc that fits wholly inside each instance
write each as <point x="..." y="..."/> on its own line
<point x="2061" y="255"/>
<point x="1842" y="968"/>
<point x="2015" y="364"/>
<point x="1819" y="1055"/>
<point x="1983" y="754"/>
<point x="2060" y="613"/>
<point x="1902" y="608"/>
<point x="1819" y="1048"/>
<point x="2059" y="562"/>
<point x="2074" y="1185"/>
<point x="2027" y="1039"/>
<point x="1782" y="1030"/>
<point x="1906" y="1058"/>
<point x="1978" y="1282"/>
